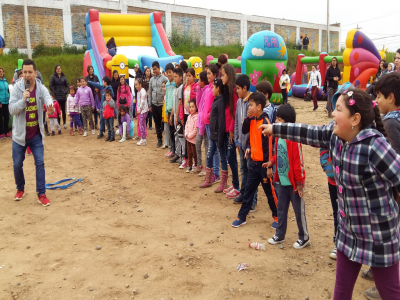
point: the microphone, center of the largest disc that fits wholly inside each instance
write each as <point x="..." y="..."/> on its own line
<point x="28" y="84"/>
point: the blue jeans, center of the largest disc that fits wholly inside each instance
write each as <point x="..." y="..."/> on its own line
<point x="212" y="150"/>
<point x="216" y="156"/>
<point x="243" y="174"/>
<point x="232" y="160"/>
<point x="102" y="123"/>
<point x="18" y="155"/>
<point x="110" y="126"/>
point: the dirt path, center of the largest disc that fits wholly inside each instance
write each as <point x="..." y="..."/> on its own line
<point x="144" y="213"/>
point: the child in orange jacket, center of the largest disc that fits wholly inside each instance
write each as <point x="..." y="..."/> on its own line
<point x="53" y="118"/>
<point x="291" y="175"/>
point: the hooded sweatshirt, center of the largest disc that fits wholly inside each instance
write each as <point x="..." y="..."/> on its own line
<point x="208" y="101"/>
<point x="84" y="97"/>
<point x="156" y="94"/>
<point x="17" y="108"/>
<point x="200" y="99"/>
<point x="191" y="129"/>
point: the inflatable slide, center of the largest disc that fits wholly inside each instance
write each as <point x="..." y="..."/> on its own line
<point x="140" y="39"/>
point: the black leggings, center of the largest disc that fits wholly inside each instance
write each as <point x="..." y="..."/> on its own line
<point x="63" y="112"/>
<point x="4" y="119"/>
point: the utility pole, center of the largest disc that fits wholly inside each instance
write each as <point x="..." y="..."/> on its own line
<point x="327" y="29"/>
<point x="28" y="36"/>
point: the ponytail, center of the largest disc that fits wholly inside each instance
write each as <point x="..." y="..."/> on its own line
<point x="378" y="121"/>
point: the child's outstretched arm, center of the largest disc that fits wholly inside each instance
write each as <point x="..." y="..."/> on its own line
<point x="315" y="136"/>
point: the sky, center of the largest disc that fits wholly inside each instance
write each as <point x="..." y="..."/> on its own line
<point x="381" y="25"/>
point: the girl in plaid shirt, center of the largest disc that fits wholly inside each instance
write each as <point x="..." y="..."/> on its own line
<point x="366" y="170"/>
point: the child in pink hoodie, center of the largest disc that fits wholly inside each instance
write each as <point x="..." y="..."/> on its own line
<point x="190" y="135"/>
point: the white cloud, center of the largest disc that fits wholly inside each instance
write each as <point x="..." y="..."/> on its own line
<point x="257" y="52"/>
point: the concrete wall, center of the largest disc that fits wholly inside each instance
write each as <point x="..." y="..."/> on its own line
<point x="190" y="25"/>
<point x="225" y="32"/>
<point x="254" y="27"/>
<point x="313" y="36"/>
<point x="333" y="40"/>
<point x="39" y="20"/>
<point x="54" y="22"/>
<point x="288" y="33"/>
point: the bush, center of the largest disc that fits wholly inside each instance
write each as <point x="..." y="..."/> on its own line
<point x="187" y="41"/>
<point x="42" y="50"/>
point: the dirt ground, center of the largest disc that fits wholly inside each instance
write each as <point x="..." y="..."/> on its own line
<point x="150" y="217"/>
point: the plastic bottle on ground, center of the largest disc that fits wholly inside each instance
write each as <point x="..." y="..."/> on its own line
<point x="257" y="246"/>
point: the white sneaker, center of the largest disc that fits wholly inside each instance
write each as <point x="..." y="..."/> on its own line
<point x="333" y="253"/>
<point x="122" y="140"/>
<point x="85" y="133"/>
<point x="136" y="138"/>
<point x="300" y="244"/>
<point x="93" y="132"/>
<point x="142" y="143"/>
<point x="65" y="126"/>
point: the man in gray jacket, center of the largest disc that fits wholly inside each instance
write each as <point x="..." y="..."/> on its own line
<point x="156" y="97"/>
<point x="26" y="105"/>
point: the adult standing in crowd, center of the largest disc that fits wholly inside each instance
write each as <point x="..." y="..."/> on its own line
<point x="300" y="42"/>
<point x="332" y="77"/>
<point x="306" y="41"/>
<point x="284" y="80"/>
<point x="156" y="97"/>
<point x="59" y="86"/>
<point x="4" y="100"/>
<point x="26" y="105"/>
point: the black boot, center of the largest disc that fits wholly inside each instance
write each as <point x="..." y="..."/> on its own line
<point x="159" y="144"/>
<point x="108" y="139"/>
<point x="100" y="135"/>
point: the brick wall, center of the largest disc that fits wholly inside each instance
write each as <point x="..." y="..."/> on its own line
<point x="140" y="11"/>
<point x="333" y="41"/>
<point x="254" y="27"/>
<point x="45" y="26"/>
<point x="78" y="14"/>
<point x="313" y="36"/>
<point x="189" y="24"/>
<point x="288" y="33"/>
<point x="224" y="31"/>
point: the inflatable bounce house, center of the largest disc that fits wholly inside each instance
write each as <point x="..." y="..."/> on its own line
<point x="264" y="57"/>
<point x="360" y="60"/>
<point x="140" y="39"/>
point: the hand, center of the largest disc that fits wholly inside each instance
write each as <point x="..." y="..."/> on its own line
<point x="246" y="154"/>
<point x="299" y="189"/>
<point x="26" y="94"/>
<point x="176" y="121"/>
<point x="92" y="109"/>
<point x="269" y="173"/>
<point x="98" y="111"/>
<point x="50" y="109"/>
<point x="250" y="113"/>
<point x="104" y="116"/>
<point x="73" y="107"/>
<point x="266" y="129"/>
<point x="267" y="164"/>
<point x="151" y="109"/>
<point x="231" y="137"/>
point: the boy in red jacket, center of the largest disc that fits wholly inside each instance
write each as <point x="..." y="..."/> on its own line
<point x="53" y="118"/>
<point x="291" y="175"/>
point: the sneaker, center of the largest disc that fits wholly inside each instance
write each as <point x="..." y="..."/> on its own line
<point x="43" y="200"/>
<point x="184" y="164"/>
<point x="174" y="159"/>
<point x="215" y="179"/>
<point x="18" y="196"/>
<point x="188" y="170"/>
<point x="85" y="133"/>
<point x="65" y="127"/>
<point x="275" y="240"/>
<point x="93" y="131"/>
<point x="8" y="135"/>
<point x="372" y="294"/>
<point x="367" y="274"/>
<point x="333" y="256"/>
<point x="233" y="194"/>
<point x="151" y="128"/>
<point x="238" y="199"/>
<point x="202" y="173"/>
<point x="164" y="147"/>
<point x="122" y="140"/>
<point x="226" y="191"/>
<point x="59" y="132"/>
<point x="194" y="168"/>
<point x="2" y="136"/>
<point x="112" y="139"/>
<point x="172" y="155"/>
<point x="100" y="136"/>
<point x="274" y="225"/>
<point x="253" y="208"/>
<point x="47" y="133"/>
<point x="142" y="143"/>
<point x="300" y="244"/>
<point x="136" y="138"/>
<point x="237" y="223"/>
<point x="168" y="154"/>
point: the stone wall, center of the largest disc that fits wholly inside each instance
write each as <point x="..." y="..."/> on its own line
<point x="145" y="11"/>
<point x="288" y="33"/>
<point x="254" y="27"/>
<point x="186" y="24"/>
<point x="224" y="32"/>
<point x="313" y="36"/>
<point x="45" y="26"/>
<point x="333" y="41"/>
